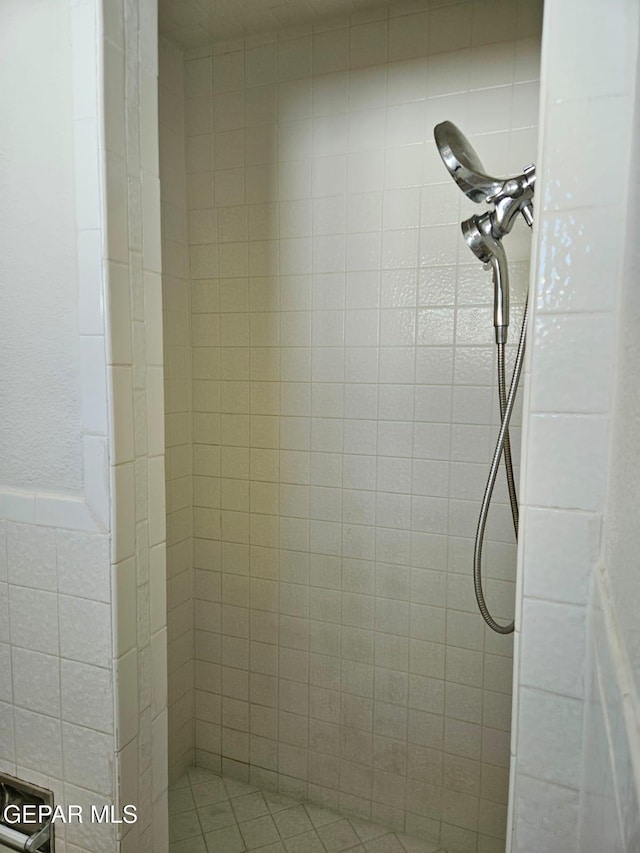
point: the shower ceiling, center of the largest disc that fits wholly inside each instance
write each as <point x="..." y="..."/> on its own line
<point x="190" y="23"/>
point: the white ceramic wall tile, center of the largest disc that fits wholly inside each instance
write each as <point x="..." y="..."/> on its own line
<point x="41" y="608"/>
<point x="572" y="450"/>
<point x="565" y="544"/>
<point x="31" y="556"/>
<point x="560" y="804"/>
<point x="81" y="559"/>
<point x="38" y="742"/>
<point x="560" y="342"/>
<point x="85" y="630"/>
<point x="86" y="695"/>
<point x="550" y="737"/>
<point x="36" y="681"/>
<point x="88" y="758"/>
<point x="552" y="652"/>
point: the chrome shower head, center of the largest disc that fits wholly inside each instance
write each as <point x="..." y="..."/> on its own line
<point x="464" y="164"/>
<point x="483" y="234"/>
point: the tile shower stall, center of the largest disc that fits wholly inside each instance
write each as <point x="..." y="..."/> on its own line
<point x="323" y="398"/>
<point x="331" y="409"/>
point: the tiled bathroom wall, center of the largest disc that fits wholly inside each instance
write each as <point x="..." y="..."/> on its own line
<point x="611" y="798"/>
<point x="344" y="408"/>
<point x="56" y="714"/>
<point x="57" y="696"/>
<point x="84" y="637"/>
<point x="136" y="403"/>
<point x="575" y="786"/>
<point x="178" y="411"/>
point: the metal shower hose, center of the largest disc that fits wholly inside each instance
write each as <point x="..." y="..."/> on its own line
<point x="503" y="445"/>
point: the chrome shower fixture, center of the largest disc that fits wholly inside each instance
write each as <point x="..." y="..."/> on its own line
<point x="483" y="234"/>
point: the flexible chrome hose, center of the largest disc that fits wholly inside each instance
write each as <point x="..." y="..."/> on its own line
<point x="505" y="413"/>
<point x="508" y="462"/>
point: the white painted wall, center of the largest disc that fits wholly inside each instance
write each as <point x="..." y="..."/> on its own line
<point x="40" y="441"/>
<point x="575" y="733"/>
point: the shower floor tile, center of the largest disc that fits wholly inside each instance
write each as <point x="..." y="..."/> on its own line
<point x="215" y="814"/>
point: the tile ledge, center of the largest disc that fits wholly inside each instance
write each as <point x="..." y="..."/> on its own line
<point x="68" y="510"/>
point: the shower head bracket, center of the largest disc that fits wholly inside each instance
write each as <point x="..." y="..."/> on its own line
<point x="514" y="197"/>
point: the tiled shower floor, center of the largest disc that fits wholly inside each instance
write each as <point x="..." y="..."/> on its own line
<point x="212" y="814"/>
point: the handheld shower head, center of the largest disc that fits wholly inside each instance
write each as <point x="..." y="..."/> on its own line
<point x="478" y="235"/>
<point x="463" y="163"/>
